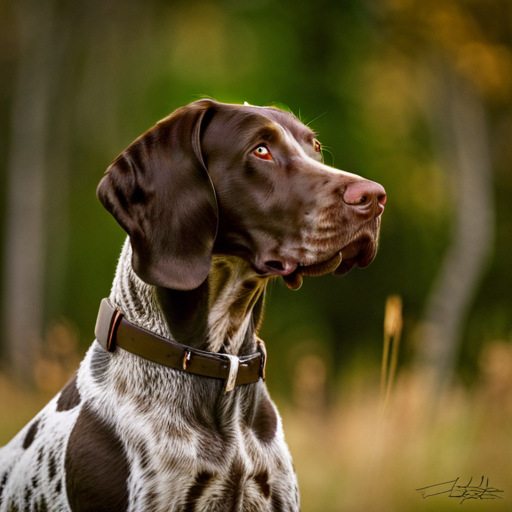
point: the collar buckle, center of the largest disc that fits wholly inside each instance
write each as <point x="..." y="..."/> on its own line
<point x="186" y="359"/>
<point x="234" y="363"/>
<point x="263" y="351"/>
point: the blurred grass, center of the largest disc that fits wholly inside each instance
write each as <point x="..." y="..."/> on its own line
<point x="355" y="457"/>
<point x="17" y="407"/>
<point x="352" y="453"/>
<point x="352" y="458"/>
<point x="57" y="359"/>
<point x="384" y="437"/>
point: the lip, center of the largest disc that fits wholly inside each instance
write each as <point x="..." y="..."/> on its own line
<point x="359" y="252"/>
<point x="294" y="280"/>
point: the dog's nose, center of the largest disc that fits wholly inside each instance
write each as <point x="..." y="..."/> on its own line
<point x="366" y="196"/>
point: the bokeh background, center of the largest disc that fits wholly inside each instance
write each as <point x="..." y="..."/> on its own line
<point x="389" y="379"/>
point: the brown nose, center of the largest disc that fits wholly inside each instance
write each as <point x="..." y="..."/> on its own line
<point x="366" y="196"/>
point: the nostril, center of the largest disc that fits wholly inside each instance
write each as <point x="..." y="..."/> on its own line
<point x="364" y="192"/>
<point x="276" y="265"/>
<point x="280" y="268"/>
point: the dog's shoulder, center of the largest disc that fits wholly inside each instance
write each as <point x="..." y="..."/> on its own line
<point x="31" y="464"/>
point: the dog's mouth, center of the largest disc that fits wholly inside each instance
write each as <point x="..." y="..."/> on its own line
<point x="359" y="252"/>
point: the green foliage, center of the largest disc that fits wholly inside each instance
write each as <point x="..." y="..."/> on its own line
<point x="347" y="67"/>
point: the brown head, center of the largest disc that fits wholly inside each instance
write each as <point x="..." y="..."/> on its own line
<point x="239" y="180"/>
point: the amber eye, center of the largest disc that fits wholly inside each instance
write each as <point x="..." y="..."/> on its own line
<point x="317" y="146"/>
<point x="262" y="152"/>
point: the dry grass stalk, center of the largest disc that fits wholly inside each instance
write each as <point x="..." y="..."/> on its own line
<point x="393" y="323"/>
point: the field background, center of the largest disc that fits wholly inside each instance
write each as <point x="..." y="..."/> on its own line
<point x="389" y="379"/>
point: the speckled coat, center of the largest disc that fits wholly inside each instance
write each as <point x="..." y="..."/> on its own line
<point x="128" y="434"/>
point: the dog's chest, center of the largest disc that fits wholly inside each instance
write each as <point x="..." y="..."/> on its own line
<point x="170" y="448"/>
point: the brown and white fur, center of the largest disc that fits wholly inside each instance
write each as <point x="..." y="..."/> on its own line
<point x="127" y="434"/>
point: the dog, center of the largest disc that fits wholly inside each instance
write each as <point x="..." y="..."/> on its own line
<point x="169" y="410"/>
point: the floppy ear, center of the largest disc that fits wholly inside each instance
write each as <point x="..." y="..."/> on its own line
<point x="160" y="192"/>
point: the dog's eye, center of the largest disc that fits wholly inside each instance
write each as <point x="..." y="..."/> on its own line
<point x="262" y="152"/>
<point x="317" y="146"/>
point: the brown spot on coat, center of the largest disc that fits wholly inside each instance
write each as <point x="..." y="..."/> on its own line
<point x="264" y="423"/>
<point x="3" y="483"/>
<point x="262" y="481"/>
<point x="233" y="488"/>
<point x="27" y="496"/>
<point x="197" y="489"/>
<point x="69" y="397"/>
<point x="12" y="506"/>
<point x="31" y="434"/>
<point x="277" y="502"/>
<point x="97" y="469"/>
<point x="52" y="466"/>
<point x="41" y="506"/>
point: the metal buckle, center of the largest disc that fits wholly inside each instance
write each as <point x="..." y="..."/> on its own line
<point x="234" y="363"/>
<point x="186" y="359"/>
<point x="263" y="350"/>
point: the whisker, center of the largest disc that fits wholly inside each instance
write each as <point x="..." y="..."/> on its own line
<point x="327" y="149"/>
<point x="307" y="123"/>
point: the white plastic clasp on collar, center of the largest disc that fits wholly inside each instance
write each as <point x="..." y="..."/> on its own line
<point x="234" y="363"/>
<point x="263" y="350"/>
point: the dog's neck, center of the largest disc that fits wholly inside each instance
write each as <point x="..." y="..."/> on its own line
<point x="222" y="315"/>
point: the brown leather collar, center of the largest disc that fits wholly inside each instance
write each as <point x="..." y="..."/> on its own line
<point x="113" y="330"/>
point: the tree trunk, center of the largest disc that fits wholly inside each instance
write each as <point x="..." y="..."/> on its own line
<point x="467" y="139"/>
<point x="24" y="243"/>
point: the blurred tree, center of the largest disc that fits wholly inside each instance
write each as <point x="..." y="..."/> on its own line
<point x="380" y="82"/>
<point x="466" y="141"/>
<point x="458" y="58"/>
<point x="25" y="229"/>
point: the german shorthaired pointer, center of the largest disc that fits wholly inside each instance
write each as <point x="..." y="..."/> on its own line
<point x="169" y="410"/>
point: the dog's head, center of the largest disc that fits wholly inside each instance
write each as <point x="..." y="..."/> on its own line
<point x="240" y="180"/>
